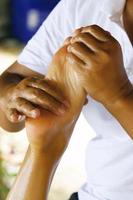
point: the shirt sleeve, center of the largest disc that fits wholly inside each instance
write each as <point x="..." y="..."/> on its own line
<point x="59" y="24"/>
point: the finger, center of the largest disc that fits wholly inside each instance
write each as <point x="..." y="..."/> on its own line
<point x="48" y="87"/>
<point x="97" y="32"/>
<point x="77" y="31"/>
<point x="74" y="60"/>
<point x="87" y="39"/>
<point x="81" y="51"/>
<point x="44" y="100"/>
<point x="14" y="116"/>
<point x="26" y="108"/>
<point x="67" y="41"/>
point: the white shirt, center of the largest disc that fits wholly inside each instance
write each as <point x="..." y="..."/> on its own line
<point x="109" y="157"/>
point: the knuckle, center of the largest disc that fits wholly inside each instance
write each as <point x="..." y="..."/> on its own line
<point x="78" y="30"/>
<point x="19" y="102"/>
<point x="24" y="81"/>
<point x="53" y="87"/>
<point x="15" y="105"/>
<point x="9" y="104"/>
<point x="68" y="40"/>
<point x="108" y="33"/>
<point x="41" y="100"/>
<point x="107" y="36"/>
<point x="75" y="45"/>
<point x="85" y="37"/>
<point x="17" y="91"/>
<point x="46" y="85"/>
<point x="81" y="36"/>
<point x="35" y="92"/>
<point x="11" y="94"/>
<point x="43" y="84"/>
<point x="23" y="105"/>
<point x="37" y="81"/>
<point x="115" y="43"/>
<point x="94" y="27"/>
<point x="49" y="102"/>
<point x="28" y="80"/>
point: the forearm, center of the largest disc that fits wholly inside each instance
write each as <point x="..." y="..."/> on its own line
<point x="48" y="133"/>
<point x="122" y="110"/>
<point x="34" y="179"/>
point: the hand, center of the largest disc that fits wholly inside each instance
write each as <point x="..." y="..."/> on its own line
<point x="31" y="94"/>
<point x="98" y="57"/>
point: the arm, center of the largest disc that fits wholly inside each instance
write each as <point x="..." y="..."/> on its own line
<point x="34" y="180"/>
<point x="106" y="79"/>
<point x="49" y="134"/>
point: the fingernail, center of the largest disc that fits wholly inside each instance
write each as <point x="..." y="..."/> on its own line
<point x="35" y="113"/>
<point x="21" y="117"/>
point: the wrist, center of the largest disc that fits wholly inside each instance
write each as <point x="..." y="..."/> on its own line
<point x="123" y="102"/>
<point x="46" y="157"/>
<point x="121" y="98"/>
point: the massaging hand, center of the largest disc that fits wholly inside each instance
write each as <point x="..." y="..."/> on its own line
<point x="99" y="58"/>
<point x="26" y="98"/>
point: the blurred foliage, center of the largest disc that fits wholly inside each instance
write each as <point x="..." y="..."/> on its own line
<point x="5" y="17"/>
<point x="3" y="177"/>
